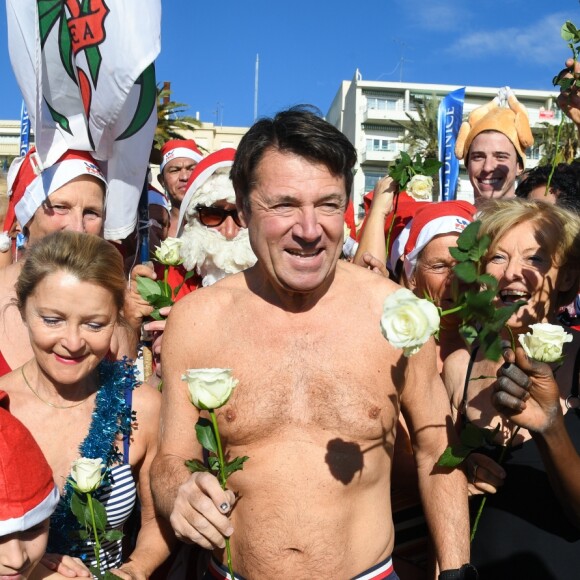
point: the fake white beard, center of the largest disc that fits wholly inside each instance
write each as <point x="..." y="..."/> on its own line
<point x="212" y="255"/>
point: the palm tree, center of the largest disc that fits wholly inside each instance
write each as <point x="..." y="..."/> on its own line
<point x="568" y="143"/>
<point x="421" y="134"/>
<point x="171" y="121"/>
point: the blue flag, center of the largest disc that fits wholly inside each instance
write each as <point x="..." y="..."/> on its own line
<point x="24" y="130"/>
<point x="450" y="117"/>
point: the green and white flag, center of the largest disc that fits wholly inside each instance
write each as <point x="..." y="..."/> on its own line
<point x="85" y="69"/>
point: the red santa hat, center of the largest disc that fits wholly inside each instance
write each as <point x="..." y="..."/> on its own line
<point x="28" y="494"/>
<point x="202" y="172"/>
<point x="29" y="185"/>
<point x="434" y="219"/>
<point x="179" y="148"/>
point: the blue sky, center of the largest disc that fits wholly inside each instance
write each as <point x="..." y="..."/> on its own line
<point x="307" y="48"/>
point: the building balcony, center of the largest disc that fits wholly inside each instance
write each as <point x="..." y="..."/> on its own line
<point x="378" y="156"/>
<point x="384" y="115"/>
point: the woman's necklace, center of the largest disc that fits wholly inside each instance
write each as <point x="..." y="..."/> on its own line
<point x="35" y="393"/>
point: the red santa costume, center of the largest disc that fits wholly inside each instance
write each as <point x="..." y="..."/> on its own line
<point x="205" y="250"/>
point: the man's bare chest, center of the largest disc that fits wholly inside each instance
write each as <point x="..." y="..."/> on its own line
<point x="315" y="379"/>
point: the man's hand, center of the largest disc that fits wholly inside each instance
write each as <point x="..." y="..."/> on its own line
<point x="484" y="475"/>
<point x="136" y="307"/>
<point x="200" y="512"/>
<point x="66" y="565"/>
<point x="374" y="264"/>
<point x="569" y="101"/>
<point x="526" y="392"/>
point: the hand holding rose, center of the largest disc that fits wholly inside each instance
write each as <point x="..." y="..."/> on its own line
<point x="527" y="393"/>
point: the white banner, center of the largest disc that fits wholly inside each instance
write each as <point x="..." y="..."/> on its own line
<point x="85" y="70"/>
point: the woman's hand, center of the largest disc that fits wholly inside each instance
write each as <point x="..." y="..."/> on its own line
<point x="66" y="565"/>
<point x="130" y="571"/>
<point x="484" y="475"/>
<point x="383" y="195"/>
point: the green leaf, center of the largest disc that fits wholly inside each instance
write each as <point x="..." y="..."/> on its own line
<point x="236" y="465"/>
<point x="458" y="254"/>
<point x="205" y="435"/>
<point x="79" y="508"/>
<point x="568" y="31"/>
<point x="466" y="271"/>
<point x="160" y="301"/>
<point x="83" y="534"/>
<point x="113" y="535"/>
<point x="479" y="249"/>
<point x="472" y="436"/>
<point x="214" y="463"/>
<point x="100" y="515"/>
<point x="488" y="280"/>
<point x="453" y="456"/>
<point x="469" y="333"/>
<point x="194" y="466"/>
<point x="147" y="288"/>
<point x="566" y="83"/>
<point x="468" y="237"/>
<point x="155" y="315"/>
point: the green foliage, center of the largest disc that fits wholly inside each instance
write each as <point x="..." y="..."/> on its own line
<point x="171" y="121"/>
<point x="471" y="439"/>
<point x="405" y="168"/>
<point x="205" y="435"/>
<point x="208" y="438"/>
<point x="81" y="508"/>
<point x="480" y="317"/>
<point x="159" y="293"/>
<point x="422" y="134"/>
<point x="562" y="149"/>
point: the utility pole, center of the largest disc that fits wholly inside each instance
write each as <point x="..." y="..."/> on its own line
<point x="256" y="76"/>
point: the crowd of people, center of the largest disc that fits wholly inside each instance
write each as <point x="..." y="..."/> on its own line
<point x="342" y="431"/>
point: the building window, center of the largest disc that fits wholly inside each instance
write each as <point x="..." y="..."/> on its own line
<point x="371" y="178"/>
<point x="380" y="144"/>
<point x="382" y="104"/>
<point x="533" y="152"/>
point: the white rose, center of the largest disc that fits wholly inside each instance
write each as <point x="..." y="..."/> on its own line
<point x="209" y="388"/>
<point x="168" y="252"/>
<point x="407" y="321"/>
<point x="545" y="342"/>
<point x="5" y="242"/>
<point x="420" y="187"/>
<point x="87" y="474"/>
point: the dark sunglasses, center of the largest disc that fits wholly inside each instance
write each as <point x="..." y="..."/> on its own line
<point x="212" y="217"/>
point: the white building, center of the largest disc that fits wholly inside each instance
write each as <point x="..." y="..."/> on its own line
<point x="372" y="114"/>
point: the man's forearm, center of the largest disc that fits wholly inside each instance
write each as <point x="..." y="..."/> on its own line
<point x="168" y="473"/>
<point x="444" y="497"/>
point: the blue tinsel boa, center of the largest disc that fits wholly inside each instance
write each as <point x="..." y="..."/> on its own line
<point x="111" y="417"/>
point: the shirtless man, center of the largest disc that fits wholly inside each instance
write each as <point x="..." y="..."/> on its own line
<point x="319" y="388"/>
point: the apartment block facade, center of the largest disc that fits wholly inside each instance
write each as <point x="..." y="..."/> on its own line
<point x="373" y="115"/>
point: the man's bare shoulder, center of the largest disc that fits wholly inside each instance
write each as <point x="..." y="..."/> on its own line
<point x="215" y="298"/>
<point x="367" y="282"/>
